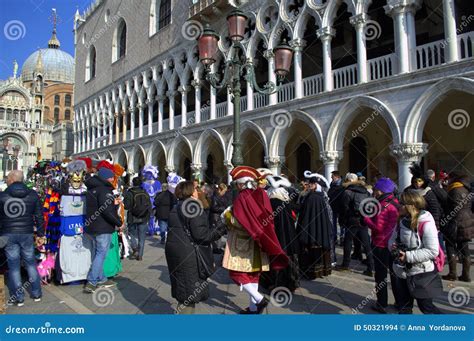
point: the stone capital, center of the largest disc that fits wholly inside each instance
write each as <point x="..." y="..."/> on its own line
<point x="196" y="167"/>
<point x="161" y="98"/>
<point x="359" y="19"/>
<point x="298" y="44"/>
<point x="331" y="156"/>
<point x="184" y="89"/>
<point x="171" y="93"/>
<point x="397" y="7"/>
<point x="409" y="152"/>
<point x="268" y="54"/>
<point x="169" y="168"/>
<point x="326" y="33"/>
<point x="273" y="161"/>
<point x="196" y="83"/>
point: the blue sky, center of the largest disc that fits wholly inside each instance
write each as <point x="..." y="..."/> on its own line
<point x="25" y="25"/>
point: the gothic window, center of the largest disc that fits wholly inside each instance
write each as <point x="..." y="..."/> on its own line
<point x="67" y="100"/>
<point x="164" y="18"/>
<point x="56" y="100"/>
<point x="91" y="63"/>
<point x="56" y="115"/>
<point x="32" y="139"/>
<point x="2" y="114"/>
<point x="119" y="43"/>
<point x="122" y="47"/>
<point x="9" y="114"/>
<point x="67" y="114"/>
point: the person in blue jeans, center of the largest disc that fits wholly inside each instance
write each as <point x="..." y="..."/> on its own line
<point x="102" y="220"/>
<point x="20" y="213"/>
<point x="138" y="205"/>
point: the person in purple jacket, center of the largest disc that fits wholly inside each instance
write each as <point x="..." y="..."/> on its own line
<point x="382" y="226"/>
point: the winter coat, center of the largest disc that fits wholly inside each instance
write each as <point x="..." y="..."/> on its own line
<point x="432" y="204"/>
<point x="355" y="192"/>
<point x="460" y="218"/>
<point x="218" y="205"/>
<point x="441" y="195"/>
<point x="181" y="256"/>
<point x="128" y="205"/>
<point x="102" y="216"/>
<point x="383" y="224"/>
<point x="20" y="210"/>
<point x="424" y="250"/>
<point x="164" y="203"/>
<point x="335" y="193"/>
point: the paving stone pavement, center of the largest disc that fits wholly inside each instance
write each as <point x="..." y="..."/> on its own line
<point x="144" y="288"/>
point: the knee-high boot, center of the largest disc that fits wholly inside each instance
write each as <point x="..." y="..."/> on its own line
<point x="466" y="265"/>
<point x="452" y="275"/>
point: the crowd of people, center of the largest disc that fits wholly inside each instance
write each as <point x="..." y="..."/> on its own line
<point x="75" y="222"/>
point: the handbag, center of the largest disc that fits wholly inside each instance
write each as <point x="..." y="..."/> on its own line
<point x="425" y="285"/>
<point x="204" y="256"/>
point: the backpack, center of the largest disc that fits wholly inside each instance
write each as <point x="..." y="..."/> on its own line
<point x="439" y="260"/>
<point x="141" y="203"/>
<point x="356" y="202"/>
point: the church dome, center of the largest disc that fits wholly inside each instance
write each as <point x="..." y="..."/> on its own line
<point x="57" y="65"/>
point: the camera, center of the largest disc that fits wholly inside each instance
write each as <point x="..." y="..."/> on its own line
<point x="395" y="253"/>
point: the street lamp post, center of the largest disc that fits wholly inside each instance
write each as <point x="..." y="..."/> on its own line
<point x="235" y="67"/>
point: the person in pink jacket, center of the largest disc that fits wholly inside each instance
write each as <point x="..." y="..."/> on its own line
<point x="382" y="226"/>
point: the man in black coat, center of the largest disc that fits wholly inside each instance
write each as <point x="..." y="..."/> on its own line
<point x="335" y="194"/>
<point x="440" y="193"/>
<point x="164" y="203"/>
<point x="354" y="194"/>
<point x="20" y="212"/>
<point x="138" y="205"/>
<point x="102" y="220"/>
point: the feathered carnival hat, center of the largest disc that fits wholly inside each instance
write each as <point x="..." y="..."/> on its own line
<point x="65" y="162"/>
<point x="173" y="181"/>
<point x="317" y="178"/>
<point x="150" y="172"/>
<point x="243" y="174"/>
<point x="87" y="160"/>
<point x="76" y="166"/>
<point x="417" y="172"/>
<point x="264" y="173"/>
<point x="278" y="187"/>
<point x="278" y="181"/>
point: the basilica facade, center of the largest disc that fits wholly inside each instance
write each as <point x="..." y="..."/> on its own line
<point x="36" y="109"/>
<point x="375" y="85"/>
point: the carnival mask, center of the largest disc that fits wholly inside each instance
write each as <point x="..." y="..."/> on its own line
<point x="76" y="170"/>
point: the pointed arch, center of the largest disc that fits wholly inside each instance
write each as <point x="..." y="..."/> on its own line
<point x="249" y="125"/>
<point x="434" y="95"/>
<point x="170" y="160"/>
<point x="203" y="139"/>
<point x="345" y="115"/>
<point x="156" y="147"/>
<point x="280" y="136"/>
<point x="134" y="157"/>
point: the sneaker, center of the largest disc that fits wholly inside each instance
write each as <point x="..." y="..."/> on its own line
<point x="89" y="288"/>
<point x="107" y="284"/>
<point x="16" y="302"/>
<point x="37" y="299"/>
